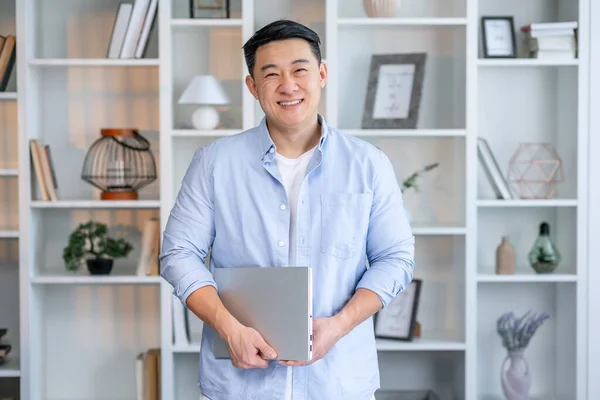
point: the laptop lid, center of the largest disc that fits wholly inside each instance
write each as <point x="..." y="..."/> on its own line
<point x="276" y="301"/>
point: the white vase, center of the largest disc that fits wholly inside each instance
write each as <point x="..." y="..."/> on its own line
<point x="515" y="376"/>
<point x="381" y="8"/>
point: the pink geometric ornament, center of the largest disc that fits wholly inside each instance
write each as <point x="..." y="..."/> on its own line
<point x="534" y="171"/>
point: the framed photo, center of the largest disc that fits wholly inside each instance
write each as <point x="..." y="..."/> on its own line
<point x="398" y="319"/>
<point x="394" y="91"/>
<point x="209" y="8"/>
<point x="498" y="35"/>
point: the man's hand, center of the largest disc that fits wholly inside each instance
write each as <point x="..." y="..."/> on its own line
<point x="326" y="333"/>
<point x="246" y="347"/>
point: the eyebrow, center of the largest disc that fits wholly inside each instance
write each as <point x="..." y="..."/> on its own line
<point x="298" y="61"/>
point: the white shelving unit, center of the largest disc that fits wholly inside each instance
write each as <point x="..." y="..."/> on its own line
<point x="79" y="334"/>
<point x="10" y="369"/>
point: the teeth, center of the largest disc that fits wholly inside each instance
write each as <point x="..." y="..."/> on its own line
<point x="290" y="103"/>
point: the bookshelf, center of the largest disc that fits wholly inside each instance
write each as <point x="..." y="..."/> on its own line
<point x="10" y="369"/>
<point x="77" y="330"/>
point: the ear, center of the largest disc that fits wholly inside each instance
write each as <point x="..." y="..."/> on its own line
<point x="251" y="86"/>
<point x="323" y="74"/>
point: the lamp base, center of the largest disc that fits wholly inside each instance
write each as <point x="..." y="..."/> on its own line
<point x="119" y="196"/>
<point x="205" y="117"/>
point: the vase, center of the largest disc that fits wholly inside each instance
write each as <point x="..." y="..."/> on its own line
<point x="505" y="257"/>
<point x="99" y="266"/>
<point x="515" y="376"/>
<point x="381" y="8"/>
<point x="544" y="256"/>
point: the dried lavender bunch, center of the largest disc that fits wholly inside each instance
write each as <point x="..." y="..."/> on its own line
<point x="516" y="333"/>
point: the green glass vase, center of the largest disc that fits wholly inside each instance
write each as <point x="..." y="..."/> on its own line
<point x="544" y="257"/>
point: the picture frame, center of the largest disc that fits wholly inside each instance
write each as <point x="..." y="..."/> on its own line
<point x="397" y="321"/>
<point x="394" y="91"/>
<point x="498" y="37"/>
<point x="210" y="8"/>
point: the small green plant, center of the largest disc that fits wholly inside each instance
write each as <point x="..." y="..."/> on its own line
<point x="91" y="240"/>
<point x="411" y="181"/>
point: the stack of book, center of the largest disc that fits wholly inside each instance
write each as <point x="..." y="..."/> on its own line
<point x="8" y="46"/>
<point x="147" y="375"/>
<point x="131" y="29"/>
<point x="551" y="41"/>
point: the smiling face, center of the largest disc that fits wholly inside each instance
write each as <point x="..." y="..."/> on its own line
<point x="287" y="81"/>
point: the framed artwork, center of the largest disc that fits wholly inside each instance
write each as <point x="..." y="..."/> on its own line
<point x="394" y="91"/>
<point x="498" y="35"/>
<point x="210" y="8"/>
<point x="398" y="319"/>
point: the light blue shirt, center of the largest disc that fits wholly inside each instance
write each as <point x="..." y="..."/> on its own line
<point x="350" y="211"/>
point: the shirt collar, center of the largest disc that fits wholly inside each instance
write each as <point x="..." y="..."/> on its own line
<point x="267" y="146"/>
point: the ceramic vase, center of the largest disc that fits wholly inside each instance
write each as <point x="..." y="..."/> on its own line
<point x="505" y="257"/>
<point x="381" y="8"/>
<point x="515" y="376"/>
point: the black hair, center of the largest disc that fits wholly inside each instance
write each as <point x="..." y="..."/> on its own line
<point x="280" y="30"/>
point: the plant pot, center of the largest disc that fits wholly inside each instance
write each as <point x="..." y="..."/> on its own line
<point x="99" y="266"/>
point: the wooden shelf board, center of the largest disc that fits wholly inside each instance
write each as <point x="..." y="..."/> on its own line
<point x="528" y="203"/>
<point x="406" y="132"/>
<point x="94" y="62"/>
<point x="102" y="204"/>
<point x="525" y="62"/>
<point x="402" y="21"/>
<point x="206" y="22"/>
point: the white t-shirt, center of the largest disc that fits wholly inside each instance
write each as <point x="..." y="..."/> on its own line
<point x="292" y="171"/>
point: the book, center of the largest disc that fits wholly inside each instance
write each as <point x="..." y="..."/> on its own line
<point x="119" y="29"/>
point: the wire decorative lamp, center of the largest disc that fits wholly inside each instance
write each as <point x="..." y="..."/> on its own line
<point x="119" y="163"/>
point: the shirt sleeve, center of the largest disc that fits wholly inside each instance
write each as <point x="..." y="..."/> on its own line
<point x="390" y="241"/>
<point x="190" y="230"/>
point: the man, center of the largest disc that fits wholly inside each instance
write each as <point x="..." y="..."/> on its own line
<point x="290" y="192"/>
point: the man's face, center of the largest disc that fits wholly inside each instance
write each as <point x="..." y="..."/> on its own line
<point x="287" y="81"/>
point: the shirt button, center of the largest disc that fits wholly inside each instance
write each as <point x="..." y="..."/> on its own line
<point x="271" y="150"/>
<point x="281" y="244"/>
<point x="282" y="207"/>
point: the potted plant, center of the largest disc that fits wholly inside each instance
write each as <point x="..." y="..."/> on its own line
<point x="90" y="242"/>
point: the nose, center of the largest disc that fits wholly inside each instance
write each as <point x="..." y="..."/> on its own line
<point x="288" y="84"/>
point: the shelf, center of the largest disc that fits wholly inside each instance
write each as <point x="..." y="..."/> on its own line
<point x="9" y="172"/>
<point x="406" y="132"/>
<point x="525" y="62"/>
<point x="63" y="277"/>
<point x="402" y="21"/>
<point x="93" y="62"/>
<point x="101" y="204"/>
<point x="9" y="234"/>
<point x="10" y="368"/>
<point x="528" y="203"/>
<point x="420" y="344"/>
<point x="207" y="133"/>
<point x="206" y="22"/>
<point x="525" y="278"/>
<point x="8" y="95"/>
<point x="438" y="230"/>
<point x="382" y="345"/>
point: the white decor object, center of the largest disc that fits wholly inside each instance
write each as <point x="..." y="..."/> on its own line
<point x="206" y="91"/>
<point x="381" y="8"/>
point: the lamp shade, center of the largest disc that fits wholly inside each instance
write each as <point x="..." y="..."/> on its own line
<point x="119" y="163"/>
<point x="204" y="89"/>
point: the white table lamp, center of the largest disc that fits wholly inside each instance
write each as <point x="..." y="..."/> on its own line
<point x="206" y="91"/>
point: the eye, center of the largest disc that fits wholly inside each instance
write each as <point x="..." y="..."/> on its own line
<point x="301" y="70"/>
<point x="271" y="74"/>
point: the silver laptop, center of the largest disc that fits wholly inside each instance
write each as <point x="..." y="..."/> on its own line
<point x="276" y="301"/>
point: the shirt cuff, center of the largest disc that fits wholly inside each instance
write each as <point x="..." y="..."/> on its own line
<point x="380" y="281"/>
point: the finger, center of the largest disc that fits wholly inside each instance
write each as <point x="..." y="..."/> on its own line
<point x="290" y="363"/>
<point x="267" y="350"/>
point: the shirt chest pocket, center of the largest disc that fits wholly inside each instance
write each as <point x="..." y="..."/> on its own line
<point x="344" y="223"/>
